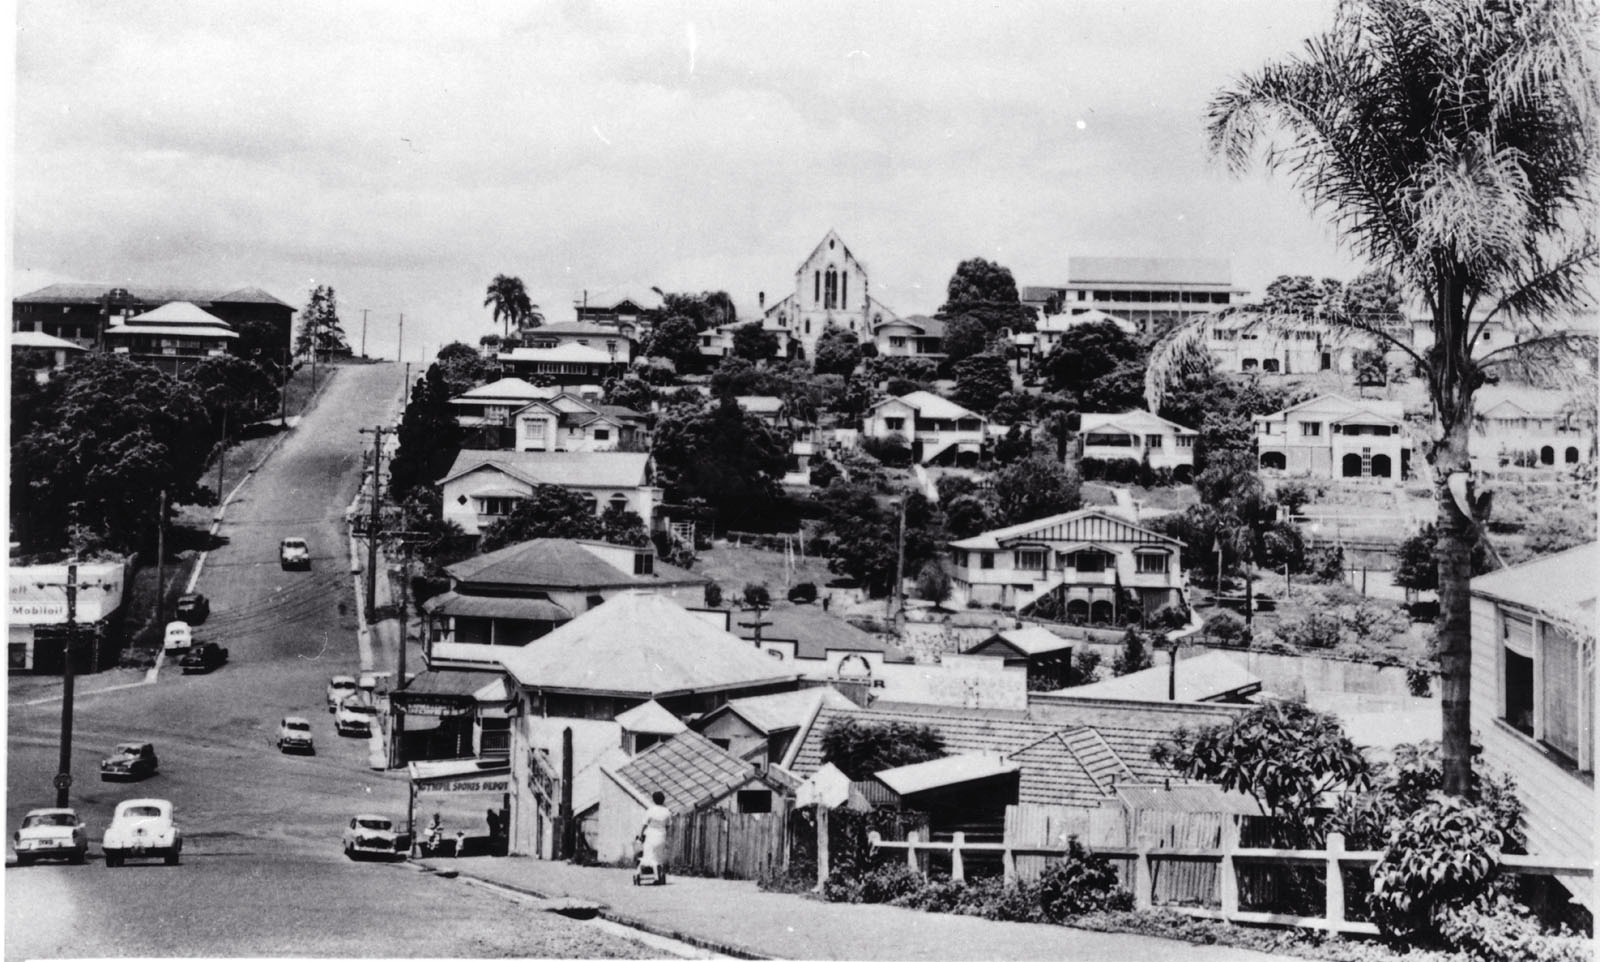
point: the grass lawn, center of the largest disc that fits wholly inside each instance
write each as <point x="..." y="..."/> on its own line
<point x="733" y="567"/>
<point x="1173" y="497"/>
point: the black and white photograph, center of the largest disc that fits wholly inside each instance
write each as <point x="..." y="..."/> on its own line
<point x="1093" y="480"/>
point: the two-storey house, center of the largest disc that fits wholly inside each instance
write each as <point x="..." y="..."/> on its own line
<point x="1136" y="435"/>
<point x="938" y="430"/>
<point x="567" y="422"/>
<point x="176" y="332"/>
<point x="1093" y="565"/>
<point x="1331" y="436"/>
<point x="914" y="336"/>
<point x="616" y="342"/>
<point x="1528" y="427"/>
<point x="482" y="487"/>
<point x="1533" y="696"/>
<point x="566" y="364"/>
<point x="491" y="405"/>
<point x="1240" y="342"/>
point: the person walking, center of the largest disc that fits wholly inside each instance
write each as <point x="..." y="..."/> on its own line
<point x="653" y="833"/>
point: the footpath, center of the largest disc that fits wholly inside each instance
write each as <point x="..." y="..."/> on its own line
<point x="735" y="918"/>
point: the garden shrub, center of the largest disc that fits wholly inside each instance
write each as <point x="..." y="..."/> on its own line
<point x="713" y="595"/>
<point x="1079" y="882"/>
<point x="1227" y="628"/>
<point x="889" y="882"/>
<point x="1440" y="858"/>
<point x="803" y="593"/>
<point x="1505" y="932"/>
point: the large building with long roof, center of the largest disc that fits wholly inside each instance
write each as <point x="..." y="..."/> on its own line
<point x="1152" y="293"/>
<point x="83" y="313"/>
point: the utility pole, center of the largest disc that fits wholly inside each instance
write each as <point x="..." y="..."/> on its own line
<point x="397" y="718"/>
<point x="900" y="564"/>
<point x="283" y="392"/>
<point x="363" y="332"/>
<point x="400" y="351"/>
<point x="222" y="457"/>
<point x="161" y="560"/>
<point x="372" y="528"/>
<point x="63" y="779"/>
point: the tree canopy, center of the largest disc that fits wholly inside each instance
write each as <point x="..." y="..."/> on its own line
<point x="429" y="436"/>
<point x="1034" y="488"/>
<point x="707" y="309"/>
<point x="754" y="343"/>
<point x="727" y="458"/>
<point x="987" y="292"/>
<point x="1085" y="354"/>
<point x="862" y="749"/>
<point x="552" y="511"/>
<point x="838" y="351"/>
<point x="981" y="380"/>
<point x="512" y="306"/>
<point x="320" y="327"/>
<point x="233" y="391"/>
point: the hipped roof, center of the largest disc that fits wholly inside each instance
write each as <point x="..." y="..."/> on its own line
<point x="559" y="563"/>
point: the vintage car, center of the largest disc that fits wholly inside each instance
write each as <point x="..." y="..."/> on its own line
<point x="294" y="553"/>
<point x="193" y="608"/>
<point x="356" y="715"/>
<point x="177" y="637"/>
<point x="142" y="828"/>
<point x="50" y="833"/>
<point x="375" y="835"/>
<point x="340" y="687"/>
<point x="203" y="657"/>
<point x="130" y="760"/>
<point x="294" y="735"/>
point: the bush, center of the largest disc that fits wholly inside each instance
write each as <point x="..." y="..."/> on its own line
<point x="1439" y="859"/>
<point x="891" y="450"/>
<point x="756" y="595"/>
<point x="713" y="595"/>
<point x="1078" y="883"/>
<point x="889" y="882"/>
<point x="803" y="593"/>
<point x="823" y="472"/>
<point x="1506" y="933"/>
<point x="1227" y="628"/>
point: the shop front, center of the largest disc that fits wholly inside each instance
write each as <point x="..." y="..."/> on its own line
<point x="460" y="807"/>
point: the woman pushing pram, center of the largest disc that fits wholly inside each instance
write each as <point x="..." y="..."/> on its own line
<point x="653" y="842"/>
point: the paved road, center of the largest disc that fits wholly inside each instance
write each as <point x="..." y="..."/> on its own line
<point x="256" y="822"/>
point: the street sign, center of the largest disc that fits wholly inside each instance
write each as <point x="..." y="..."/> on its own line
<point x="62" y="782"/>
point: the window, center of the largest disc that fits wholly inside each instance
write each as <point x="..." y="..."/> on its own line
<point x="1516" y="639"/>
<point x="496" y="507"/>
<point x="897" y="341"/>
<point x="722" y="743"/>
<point x="816" y="288"/>
<point x="895" y="424"/>
<point x="602" y="434"/>
<point x="1030" y="559"/>
<point x="986" y="559"/>
<point x="1089" y="561"/>
<point x="1310" y="429"/>
<point x="755" y="802"/>
<point x="1185" y="441"/>
<point x="1152" y="441"/>
<point x="644" y="564"/>
<point x="1150" y="563"/>
<point x="619" y="502"/>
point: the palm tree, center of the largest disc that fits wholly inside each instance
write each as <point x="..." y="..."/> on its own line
<point x="511" y="304"/>
<point x="1452" y="142"/>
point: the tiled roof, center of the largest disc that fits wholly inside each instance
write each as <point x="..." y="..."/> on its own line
<point x="93" y="293"/>
<point x="577" y="469"/>
<point x="688" y="769"/>
<point x="639" y="644"/>
<point x="559" y="563"/>
<point x="815" y="632"/>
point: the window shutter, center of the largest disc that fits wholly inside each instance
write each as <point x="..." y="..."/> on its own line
<point x="1518" y="634"/>
<point x="1563" y="698"/>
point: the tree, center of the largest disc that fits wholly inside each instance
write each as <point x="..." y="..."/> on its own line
<point x="1283" y="753"/>
<point x="1418" y="567"/>
<point x="933" y="583"/>
<point x="969" y="514"/>
<point x="1135" y="654"/>
<point x="233" y="391"/>
<point x="464" y="367"/>
<point x="549" y="511"/>
<point x="629" y="392"/>
<point x="1301" y="296"/>
<point x="620" y="525"/>
<point x="429" y="436"/>
<point x="675" y="339"/>
<point x="93" y="448"/>
<point x="1034" y="488"/>
<point x="838" y="351"/>
<point x="1119" y="389"/>
<point x="511" y="303"/>
<point x="722" y="455"/>
<point x="1086" y="353"/>
<point x="1453" y="144"/>
<point x="987" y="292"/>
<point x="320" y="329"/>
<point x="862" y="749"/>
<point x="964" y="336"/>
<point x="981" y="380"/>
<point x="753" y="342"/>
<point x="757" y="595"/>
<point x="707" y="309"/>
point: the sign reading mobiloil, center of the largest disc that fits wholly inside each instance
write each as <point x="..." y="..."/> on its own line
<point x="38" y="595"/>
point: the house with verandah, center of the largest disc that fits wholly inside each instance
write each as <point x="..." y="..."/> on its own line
<point x="1331" y="436"/>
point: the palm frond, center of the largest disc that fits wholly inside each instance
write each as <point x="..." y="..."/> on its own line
<point x="1562" y="360"/>
<point x="1542" y="290"/>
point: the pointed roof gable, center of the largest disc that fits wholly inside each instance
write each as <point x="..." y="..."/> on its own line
<point x="650" y="718"/>
<point x="930" y="405"/>
<point x="642" y="645"/>
<point x="840" y="247"/>
<point x="574" y="469"/>
<point x="178" y="312"/>
<point x="1031" y="640"/>
<point x="1134" y="421"/>
<point x="691" y="772"/>
<point x="506" y="389"/>
<point x="1341" y="408"/>
<point x="1095" y="525"/>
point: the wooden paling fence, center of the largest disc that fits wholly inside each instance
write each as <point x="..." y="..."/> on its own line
<point x="725" y="844"/>
<point x="1176" y="882"/>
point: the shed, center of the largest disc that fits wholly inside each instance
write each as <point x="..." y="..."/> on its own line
<point x="960" y="793"/>
<point x="1046" y="655"/>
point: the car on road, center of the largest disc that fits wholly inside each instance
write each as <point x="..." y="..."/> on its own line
<point x="142" y="828"/>
<point x="177" y="637"/>
<point x="356" y="715"/>
<point x="376" y="836"/>
<point x="206" y="656"/>
<point x="294" y="553"/>
<point x="50" y="833"/>
<point x="294" y="735"/>
<point x="340" y="687"/>
<point x="130" y="760"/>
<point x="193" y="608"/>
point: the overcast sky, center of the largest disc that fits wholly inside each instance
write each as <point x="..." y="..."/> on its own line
<point x="405" y="153"/>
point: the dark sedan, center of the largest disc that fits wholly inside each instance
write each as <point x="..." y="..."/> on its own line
<point x="193" y="608"/>
<point x="203" y="657"/>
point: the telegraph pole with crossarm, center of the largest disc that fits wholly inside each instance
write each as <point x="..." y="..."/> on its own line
<point x="372" y="526"/>
<point x="63" y="779"/>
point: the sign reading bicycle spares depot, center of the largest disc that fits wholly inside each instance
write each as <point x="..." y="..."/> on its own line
<point x="478" y="784"/>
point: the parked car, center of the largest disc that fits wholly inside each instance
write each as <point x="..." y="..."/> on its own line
<point x="375" y="835"/>
<point x="356" y="715"/>
<point x="294" y="735"/>
<point x="193" y="608"/>
<point x="368" y="682"/>
<point x="50" y="833"/>
<point x="340" y="687"/>
<point x="130" y="760"/>
<point x="294" y="553"/>
<point x="177" y="637"/>
<point x="206" y="656"/>
<point x="142" y="828"/>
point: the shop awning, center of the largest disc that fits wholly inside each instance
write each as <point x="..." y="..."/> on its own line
<point x="467" y="776"/>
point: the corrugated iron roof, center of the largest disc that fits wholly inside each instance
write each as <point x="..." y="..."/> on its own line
<point x="580" y="469"/>
<point x="560" y="563"/>
<point x="649" y="718"/>
<point x="946" y="771"/>
<point x="1561" y="585"/>
<point x="481" y="606"/>
<point x="69" y="293"/>
<point x="1206" y="677"/>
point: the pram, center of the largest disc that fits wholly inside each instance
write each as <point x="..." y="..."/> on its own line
<point x="647" y="871"/>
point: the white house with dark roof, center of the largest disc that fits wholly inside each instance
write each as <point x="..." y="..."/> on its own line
<point x="1528" y="427"/>
<point x="936" y="429"/>
<point x="1136" y="435"/>
<point x="1331" y="436"/>
<point x="1146" y="291"/>
<point x="569" y="363"/>
<point x="483" y="486"/>
<point x="1094" y="565"/>
<point x="830" y="287"/>
<point x="914" y="336"/>
<point x="1533" y="696"/>
<point x="567" y="422"/>
<point x="492" y="404"/>
<point x="609" y="339"/>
